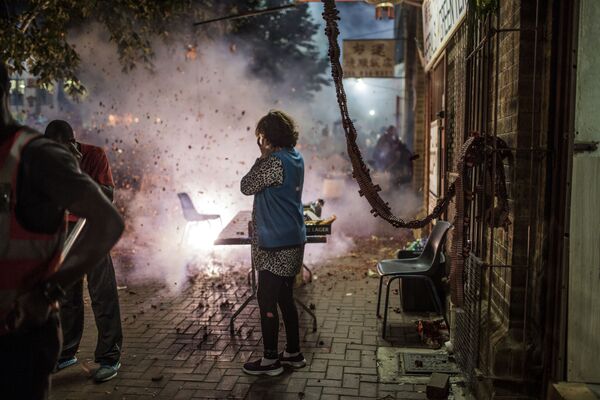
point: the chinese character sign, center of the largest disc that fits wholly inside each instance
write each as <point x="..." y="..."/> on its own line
<point x="369" y="58"/>
<point x="440" y="18"/>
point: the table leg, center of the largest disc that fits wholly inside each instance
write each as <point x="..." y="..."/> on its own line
<point x="253" y="280"/>
<point x="309" y="272"/>
<point x="248" y="300"/>
<point x="239" y="310"/>
<point x="309" y="311"/>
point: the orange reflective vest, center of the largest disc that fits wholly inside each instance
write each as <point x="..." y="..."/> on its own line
<point x="26" y="258"/>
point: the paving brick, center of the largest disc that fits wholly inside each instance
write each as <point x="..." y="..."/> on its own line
<point x="309" y="375"/>
<point x="344" y="363"/>
<point x="367" y="389"/>
<point x="240" y="390"/>
<point x="199" y="385"/>
<point x="324" y="382"/>
<point x="334" y="372"/>
<point x="296" y="385"/>
<point x="340" y="391"/>
<point x="330" y="397"/>
<point x="360" y="370"/>
<point x="351" y="381"/>
<point x="411" y="396"/>
<point x="227" y="383"/>
<point x="169" y="341"/>
<point x="183" y="395"/>
<point x="312" y="393"/>
<point x="318" y="365"/>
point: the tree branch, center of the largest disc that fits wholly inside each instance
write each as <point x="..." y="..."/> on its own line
<point x="32" y="15"/>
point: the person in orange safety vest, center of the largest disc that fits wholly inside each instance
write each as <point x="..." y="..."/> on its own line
<point x="39" y="180"/>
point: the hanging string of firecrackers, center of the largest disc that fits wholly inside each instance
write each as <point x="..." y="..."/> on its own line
<point x="472" y="154"/>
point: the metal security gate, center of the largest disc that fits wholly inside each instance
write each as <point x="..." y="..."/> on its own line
<point x="490" y="265"/>
<point x="468" y="322"/>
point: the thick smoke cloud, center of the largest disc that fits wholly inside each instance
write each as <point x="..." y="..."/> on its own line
<point x="188" y="126"/>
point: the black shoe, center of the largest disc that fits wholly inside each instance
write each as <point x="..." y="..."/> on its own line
<point x="297" y="361"/>
<point x="254" y="368"/>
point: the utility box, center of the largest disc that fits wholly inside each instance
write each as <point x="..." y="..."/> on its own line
<point x="438" y="387"/>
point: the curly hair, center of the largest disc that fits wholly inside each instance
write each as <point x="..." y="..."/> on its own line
<point x="279" y="129"/>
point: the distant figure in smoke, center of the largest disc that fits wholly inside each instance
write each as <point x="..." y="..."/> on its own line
<point x="39" y="179"/>
<point x="101" y="280"/>
<point x="278" y="237"/>
<point x="391" y="154"/>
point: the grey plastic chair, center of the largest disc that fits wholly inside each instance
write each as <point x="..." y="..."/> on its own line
<point x="189" y="211"/>
<point x="191" y="215"/>
<point x="424" y="267"/>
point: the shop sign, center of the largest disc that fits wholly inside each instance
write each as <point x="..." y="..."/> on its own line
<point x="440" y="20"/>
<point x="369" y="58"/>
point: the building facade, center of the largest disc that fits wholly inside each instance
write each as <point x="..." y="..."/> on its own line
<point x="509" y="72"/>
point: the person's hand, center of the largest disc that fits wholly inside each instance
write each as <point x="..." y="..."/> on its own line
<point x="265" y="147"/>
<point x="72" y="146"/>
<point x="32" y="309"/>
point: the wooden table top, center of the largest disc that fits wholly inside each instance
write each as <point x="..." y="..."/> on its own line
<point x="236" y="231"/>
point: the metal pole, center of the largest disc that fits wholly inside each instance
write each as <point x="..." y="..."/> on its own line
<point x="398" y="115"/>
<point x="530" y="200"/>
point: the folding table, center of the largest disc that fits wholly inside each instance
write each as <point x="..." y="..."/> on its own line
<point x="236" y="233"/>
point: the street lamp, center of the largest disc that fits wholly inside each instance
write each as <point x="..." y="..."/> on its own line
<point x="388" y="7"/>
<point x="360" y="85"/>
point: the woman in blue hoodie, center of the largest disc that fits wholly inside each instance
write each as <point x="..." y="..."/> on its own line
<point x="278" y="237"/>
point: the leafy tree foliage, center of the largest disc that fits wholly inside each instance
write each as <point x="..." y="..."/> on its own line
<point x="33" y="33"/>
<point x="34" y="36"/>
<point x="281" y="45"/>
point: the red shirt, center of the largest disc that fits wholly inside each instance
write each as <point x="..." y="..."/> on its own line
<point x="94" y="163"/>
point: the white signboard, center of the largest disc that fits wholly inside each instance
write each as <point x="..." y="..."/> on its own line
<point x="369" y="58"/>
<point x="440" y="20"/>
<point x="434" y="158"/>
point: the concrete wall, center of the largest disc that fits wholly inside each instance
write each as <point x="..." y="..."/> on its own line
<point x="587" y="117"/>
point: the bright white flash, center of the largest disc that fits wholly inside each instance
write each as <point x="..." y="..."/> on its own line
<point x="360" y="85"/>
<point x="201" y="235"/>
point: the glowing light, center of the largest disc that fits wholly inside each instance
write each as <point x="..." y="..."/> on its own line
<point x="360" y="85"/>
<point x="128" y="119"/>
<point x="201" y="235"/>
<point x="371" y="113"/>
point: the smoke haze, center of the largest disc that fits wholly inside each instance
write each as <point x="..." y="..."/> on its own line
<point x="188" y="126"/>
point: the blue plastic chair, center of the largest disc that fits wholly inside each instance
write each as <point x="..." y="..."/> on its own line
<point x="423" y="267"/>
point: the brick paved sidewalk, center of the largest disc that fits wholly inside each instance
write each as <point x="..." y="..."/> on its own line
<point x="180" y="347"/>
